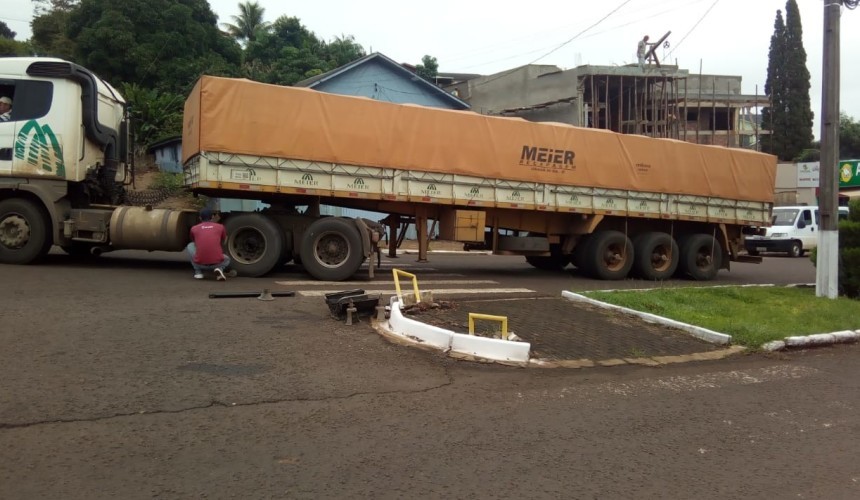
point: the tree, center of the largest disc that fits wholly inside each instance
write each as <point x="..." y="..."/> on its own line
<point x="5" y="32"/>
<point x="157" y="115"/>
<point x="163" y="44"/>
<point x="428" y="69"/>
<point x="285" y="54"/>
<point x="789" y="116"/>
<point x="849" y="137"/>
<point x="248" y="23"/>
<point x="49" y="28"/>
<point x="343" y="50"/>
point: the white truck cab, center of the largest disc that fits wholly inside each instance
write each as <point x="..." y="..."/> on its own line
<point x="794" y="231"/>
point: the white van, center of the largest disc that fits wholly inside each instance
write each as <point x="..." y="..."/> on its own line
<point x="794" y="231"/>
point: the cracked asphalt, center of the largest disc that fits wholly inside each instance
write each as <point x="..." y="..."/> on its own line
<point x="122" y="379"/>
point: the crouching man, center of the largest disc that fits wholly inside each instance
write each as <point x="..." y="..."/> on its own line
<point x="205" y="248"/>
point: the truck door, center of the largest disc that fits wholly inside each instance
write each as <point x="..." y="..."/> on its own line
<point x="807" y="234"/>
<point x="7" y="130"/>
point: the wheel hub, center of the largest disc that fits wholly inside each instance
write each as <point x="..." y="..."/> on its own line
<point x="248" y="246"/>
<point x="14" y="231"/>
<point x="331" y="250"/>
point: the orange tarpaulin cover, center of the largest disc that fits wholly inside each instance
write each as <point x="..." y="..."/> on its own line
<point x="251" y="118"/>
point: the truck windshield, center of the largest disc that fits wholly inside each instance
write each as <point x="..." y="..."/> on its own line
<point x="784" y="217"/>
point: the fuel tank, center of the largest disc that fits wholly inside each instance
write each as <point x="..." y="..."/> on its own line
<point x="140" y="228"/>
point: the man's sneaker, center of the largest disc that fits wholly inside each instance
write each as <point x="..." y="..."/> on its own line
<point x="219" y="275"/>
<point x="198" y="276"/>
<point x="232" y="273"/>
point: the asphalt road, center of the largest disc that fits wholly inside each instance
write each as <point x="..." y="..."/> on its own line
<point x="122" y="379"/>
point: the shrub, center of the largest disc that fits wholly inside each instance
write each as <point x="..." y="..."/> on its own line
<point x="849" y="252"/>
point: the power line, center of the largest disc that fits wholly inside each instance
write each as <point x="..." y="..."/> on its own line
<point x="583" y="31"/>
<point x="613" y="11"/>
<point x="693" y="28"/>
<point x="637" y="16"/>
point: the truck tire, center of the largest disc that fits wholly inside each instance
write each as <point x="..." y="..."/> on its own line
<point x="25" y="235"/>
<point x="608" y="255"/>
<point x="796" y="249"/>
<point x="254" y="244"/>
<point x="701" y="257"/>
<point x="556" y="261"/>
<point x="656" y="256"/>
<point x="331" y="249"/>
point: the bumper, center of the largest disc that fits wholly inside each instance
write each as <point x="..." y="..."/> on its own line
<point x="769" y="245"/>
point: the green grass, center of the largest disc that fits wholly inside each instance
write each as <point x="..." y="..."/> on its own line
<point x="751" y="315"/>
<point x="171" y="181"/>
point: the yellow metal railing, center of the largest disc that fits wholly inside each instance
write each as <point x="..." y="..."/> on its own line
<point x="397" y="274"/>
<point x="501" y="319"/>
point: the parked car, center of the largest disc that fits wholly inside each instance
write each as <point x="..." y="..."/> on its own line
<point x="794" y="231"/>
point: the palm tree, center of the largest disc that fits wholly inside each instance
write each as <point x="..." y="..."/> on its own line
<point x="248" y="23"/>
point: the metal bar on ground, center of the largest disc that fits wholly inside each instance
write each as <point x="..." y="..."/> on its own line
<point x="233" y="295"/>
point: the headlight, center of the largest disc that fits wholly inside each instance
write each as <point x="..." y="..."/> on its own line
<point x="779" y="235"/>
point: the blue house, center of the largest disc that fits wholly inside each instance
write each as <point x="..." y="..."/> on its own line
<point x="167" y="154"/>
<point x="378" y="77"/>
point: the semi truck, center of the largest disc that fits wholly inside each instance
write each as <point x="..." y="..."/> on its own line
<point x="613" y="205"/>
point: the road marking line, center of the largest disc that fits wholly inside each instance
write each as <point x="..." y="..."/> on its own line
<point x="444" y="291"/>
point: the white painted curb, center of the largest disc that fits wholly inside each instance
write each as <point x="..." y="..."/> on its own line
<point x="696" y="331"/>
<point x="447" y="340"/>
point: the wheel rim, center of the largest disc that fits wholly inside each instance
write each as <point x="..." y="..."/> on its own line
<point x="614" y="257"/>
<point x="14" y="231"/>
<point x="331" y="249"/>
<point x="661" y="258"/>
<point x="247" y="245"/>
<point x="704" y="259"/>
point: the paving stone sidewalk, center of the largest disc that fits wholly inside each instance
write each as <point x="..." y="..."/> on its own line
<point x="559" y="329"/>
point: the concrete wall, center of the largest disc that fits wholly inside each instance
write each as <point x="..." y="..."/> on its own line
<point x="725" y="84"/>
<point x="563" y="112"/>
<point x="521" y="87"/>
<point x="787" y="192"/>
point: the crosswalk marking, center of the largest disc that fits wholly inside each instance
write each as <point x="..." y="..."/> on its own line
<point x="413" y="270"/>
<point x="438" y="293"/>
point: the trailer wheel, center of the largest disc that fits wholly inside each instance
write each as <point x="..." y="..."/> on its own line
<point x="254" y="244"/>
<point x="701" y="257"/>
<point x="656" y="256"/>
<point x="331" y="249"/>
<point x="555" y="261"/>
<point x="608" y="255"/>
<point x="25" y="235"/>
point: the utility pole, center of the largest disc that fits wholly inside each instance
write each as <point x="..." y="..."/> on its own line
<point x="827" y="269"/>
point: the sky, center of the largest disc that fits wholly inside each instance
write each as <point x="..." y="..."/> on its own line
<point x="727" y="37"/>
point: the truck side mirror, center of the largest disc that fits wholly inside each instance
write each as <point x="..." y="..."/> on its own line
<point x="801" y="224"/>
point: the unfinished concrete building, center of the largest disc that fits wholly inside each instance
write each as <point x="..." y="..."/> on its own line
<point x="660" y="102"/>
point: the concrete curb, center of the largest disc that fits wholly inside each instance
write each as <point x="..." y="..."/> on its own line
<point x="408" y="330"/>
<point x="801" y="341"/>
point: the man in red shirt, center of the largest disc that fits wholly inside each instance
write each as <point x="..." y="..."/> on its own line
<point x="205" y="247"/>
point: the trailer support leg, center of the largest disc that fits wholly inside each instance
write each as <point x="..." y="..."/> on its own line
<point x="423" y="240"/>
<point x="393" y="226"/>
